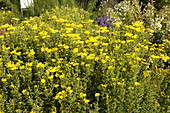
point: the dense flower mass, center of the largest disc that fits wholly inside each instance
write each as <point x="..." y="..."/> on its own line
<point x="62" y="61"/>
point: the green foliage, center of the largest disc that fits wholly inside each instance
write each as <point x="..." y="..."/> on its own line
<point x="41" y="6"/>
<point x="6" y="16"/>
<point x="67" y="3"/>
<point x="13" y="5"/>
<point x="91" y="5"/>
<point x="62" y="61"/>
<point x="157" y="3"/>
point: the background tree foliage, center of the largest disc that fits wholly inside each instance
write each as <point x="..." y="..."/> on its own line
<point x="89" y="5"/>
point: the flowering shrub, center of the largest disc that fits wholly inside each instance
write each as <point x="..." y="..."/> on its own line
<point x="129" y="11"/>
<point x="5" y="16"/>
<point x="62" y="62"/>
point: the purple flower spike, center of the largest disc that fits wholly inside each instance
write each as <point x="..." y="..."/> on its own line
<point x="104" y="21"/>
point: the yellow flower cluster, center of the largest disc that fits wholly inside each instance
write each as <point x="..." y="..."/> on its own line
<point x="63" y="94"/>
<point x="67" y="57"/>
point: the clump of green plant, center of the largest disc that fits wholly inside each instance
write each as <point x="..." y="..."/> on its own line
<point x="6" y="16"/>
<point x="62" y="61"/>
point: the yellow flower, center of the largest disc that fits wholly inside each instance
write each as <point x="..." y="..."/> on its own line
<point x="34" y="27"/>
<point x="123" y="42"/>
<point x="146" y="73"/>
<point x="110" y="67"/>
<point x="162" y="93"/>
<point x="153" y="56"/>
<point x="87" y="65"/>
<point x="137" y="49"/>
<point x="13" y="52"/>
<point x="113" y="84"/>
<point x="79" y="26"/>
<point x="130" y="87"/>
<point x="14" y="67"/>
<point x="15" y="18"/>
<point x="43" y="80"/>
<point x="97" y="31"/>
<point x="11" y="28"/>
<point x="43" y="33"/>
<point x="61" y="20"/>
<point x="97" y="94"/>
<point x="1" y="36"/>
<point x="17" y="110"/>
<point x="117" y="24"/>
<point x="103" y="61"/>
<point x="113" y="60"/>
<point x="31" y="53"/>
<point x="116" y="47"/>
<point x="40" y="65"/>
<point x="150" y="31"/>
<point x="104" y="85"/>
<point x="90" y="21"/>
<point x="87" y="32"/>
<point x="53" y="60"/>
<point x="124" y="69"/>
<point x="69" y="90"/>
<point x="3" y="79"/>
<point x="60" y="95"/>
<point x="61" y="76"/>
<point x="57" y="75"/>
<point x="163" y="57"/>
<point x="65" y="46"/>
<point x="82" y="95"/>
<point x="50" y="77"/>
<point x="135" y="36"/>
<point x="75" y="50"/>
<point x="18" y="53"/>
<point x="21" y="67"/>
<point x="29" y="64"/>
<point x="1" y="97"/>
<point x="129" y="34"/>
<point x="56" y="85"/>
<point x="25" y="91"/>
<point x="130" y="41"/>
<point x="12" y="85"/>
<point x="29" y="69"/>
<point x="9" y="75"/>
<point x="86" y="100"/>
<point x="82" y="54"/>
<point x="119" y="83"/>
<point x="139" y="30"/>
<point x="137" y="24"/>
<point x="5" y="26"/>
<point x="91" y="56"/>
<point x="137" y="84"/>
<point x="54" y="17"/>
<point x="96" y="58"/>
<point x="78" y="78"/>
<point x="113" y="79"/>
